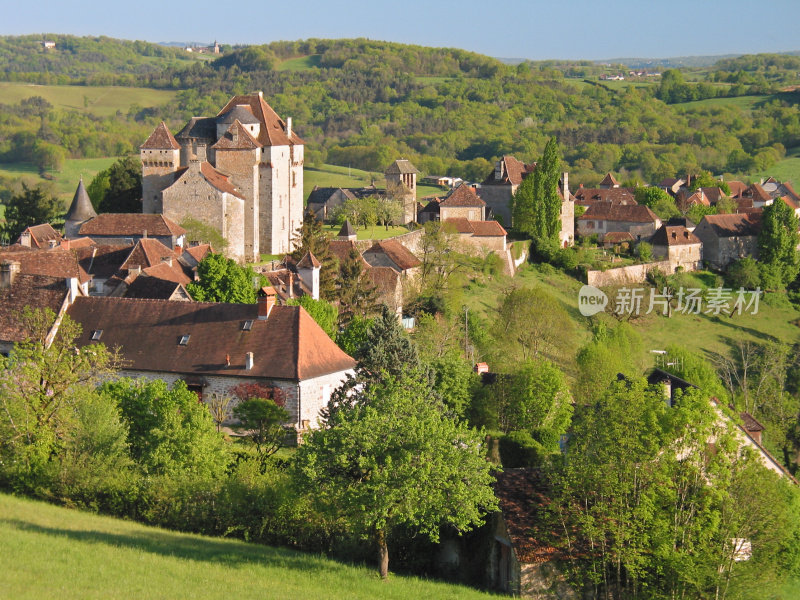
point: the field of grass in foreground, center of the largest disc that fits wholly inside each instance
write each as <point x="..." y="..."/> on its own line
<point x="53" y="552"/>
<point x="102" y="101"/>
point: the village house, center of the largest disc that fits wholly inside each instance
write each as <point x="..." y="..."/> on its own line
<point x="605" y="217"/>
<point x="462" y="203"/>
<point x="39" y="236"/>
<point x="391" y="253"/>
<point x="122" y="229"/>
<point x="501" y="184"/>
<point x="215" y="346"/>
<point x="614" y="195"/>
<point x="727" y="238"/>
<point x="679" y="246"/>
<point x="485" y="236"/>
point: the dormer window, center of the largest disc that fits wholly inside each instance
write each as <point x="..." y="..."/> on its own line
<point x="184" y="340"/>
<point x="96" y="334"/>
<point x="248" y="325"/>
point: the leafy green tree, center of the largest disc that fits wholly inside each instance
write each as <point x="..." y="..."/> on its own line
<point x="388" y="349"/>
<point x="197" y="231"/>
<point x="651" y="195"/>
<point x="98" y="188"/>
<point x="537" y="205"/>
<point x="706" y="179"/>
<point x="523" y="206"/>
<point x="541" y="402"/>
<point x="454" y="381"/>
<point x="169" y="431"/>
<point x="311" y="237"/>
<point x="31" y="206"/>
<point x="645" y="251"/>
<point x="354" y="335"/>
<point x="124" y="193"/>
<point x="394" y="458"/>
<point x="611" y="351"/>
<point x="261" y="421"/>
<point x="223" y="280"/>
<point x="324" y="313"/>
<point x="42" y="383"/>
<point x="743" y="273"/>
<point x="438" y="259"/>
<point x="778" y="240"/>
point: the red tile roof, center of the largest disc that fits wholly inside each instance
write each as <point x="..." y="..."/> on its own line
<point x="733" y="225"/>
<point x="609" y="180"/>
<point x="167" y="272"/>
<point x="236" y="138"/>
<point x="131" y="225"/>
<point x="398" y="254"/>
<point x="39" y="291"/>
<point x="155" y="288"/>
<point x="588" y="196"/>
<point x="288" y="345"/>
<point x="487" y="229"/>
<point x="673" y="236"/>
<point x="401" y="166"/>
<point x="146" y="253"/>
<point x="273" y="128"/>
<point x="514" y="171"/>
<point x="458" y="225"/>
<point x="55" y="262"/>
<point x="463" y="195"/>
<point x="341" y="249"/>
<point x="42" y="234"/>
<point x="161" y="139"/>
<point x="607" y="211"/>
<point x="736" y="188"/>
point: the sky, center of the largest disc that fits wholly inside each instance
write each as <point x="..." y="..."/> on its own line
<point x="532" y="29"/>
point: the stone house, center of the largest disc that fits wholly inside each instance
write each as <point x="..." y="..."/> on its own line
<point x="39" y="236"/>
<point x="486" y="236"/>
<point x="215" y="346"/>
<point x="605" y="217"/>
<point x="727" y="238"/>
<point x="501" y="184"/>
<point x="390" y="253"/>
<point x="678" y="245"/>
<point x="519" y="562"/>
<point x="246" y="154"/>
<point x="462" y="203"/>
<point x="125" y="229"/>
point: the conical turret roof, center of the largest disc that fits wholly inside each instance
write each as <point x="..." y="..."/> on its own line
<point x="347" y="229"/>
<point x="81" y="208"/>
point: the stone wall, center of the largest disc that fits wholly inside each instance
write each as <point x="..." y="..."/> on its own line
<point x="158" y="167"/>
<point x="626" y="275"/>
<point x="242" y="167"/>
<point x="411" y="241"/>
<point x="471" y="213"/>
<point x="498" y="198"/>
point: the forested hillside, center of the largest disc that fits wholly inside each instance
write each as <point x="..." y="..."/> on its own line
<point x="361" y="103"/>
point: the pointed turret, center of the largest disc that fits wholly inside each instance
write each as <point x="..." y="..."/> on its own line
<point x="308" y="269"/>
<point x="347" y="232"/>
<point x="80" y="211"/>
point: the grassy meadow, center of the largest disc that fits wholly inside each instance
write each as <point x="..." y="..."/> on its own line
<point x="336" y="176"/>
<point x="64" y="181"/>
<point x="103" y="101"/>
<point x="300" y="63"/>
<point x="54" y="552"/>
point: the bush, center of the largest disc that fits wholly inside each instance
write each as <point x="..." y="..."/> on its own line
<point x="519" y="449"/>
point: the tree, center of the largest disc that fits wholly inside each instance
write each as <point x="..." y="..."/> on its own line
<point x="223" y="280"/>
<point x="536" y="207"/>
<point x="743" y="273"/>
<point x="706" y="179"/>
<point x="650" y="195"/>
<point x="31" y="206"/>
<point x="531" y="324"/>
<point x="778" y="240"/>
<point x="261" y="421"/>
<point x="394" y="458"/>
<point x="124" y="193"/>
<point x="98" y="188"/>
<point x="169" y="431"/>
<point x="42" y="382"/>
<point x="438" y="259"/>
<point x="388" y="349"/>
<point x="454" y="381"/>
<point x="311" y="237"/>
<point x="197" y="231"/>
<point x="523" y="206"/>
<point x="541" y="402"/>
<point x="324" y="313"/>
<point x="356" y="293"/>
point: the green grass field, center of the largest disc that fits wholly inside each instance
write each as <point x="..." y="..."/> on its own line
<point x="746" y="103"/>
<point x="53" y="552"/>
<point x="102" y="101"/>
<point x="301" y="63"/>
<point x="336" y="176"/>
<point x="66" y="180"/>
<point x="379" y="232"/>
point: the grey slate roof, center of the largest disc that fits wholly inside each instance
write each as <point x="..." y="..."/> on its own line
<point x="347" y="229"/>
<point x="401" y="166"/>
<point x="81" y="208"/>
<point x="241" y="113"/>
<point x="200" y="128"/>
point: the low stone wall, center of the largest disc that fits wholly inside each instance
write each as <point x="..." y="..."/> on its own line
<point x="623" y="275"/>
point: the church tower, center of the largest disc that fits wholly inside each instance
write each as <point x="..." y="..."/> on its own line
<point x="160" y="156"/>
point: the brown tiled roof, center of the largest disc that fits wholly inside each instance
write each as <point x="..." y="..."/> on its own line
<point x="617" y="237"/>
<point x="668" y="182"/>
<point x="81" y="242"/>
<point x="168" y="272"/>
<point x="514" y="171"/>
<point x="750" y="423"/>
<point x="463" y="195"/>
<point x="712" y="193"/>
<point x="161" y="139"/>
<point x="733" y="225"/>
<point x="458" y="225"/>
<point x="281" y="280"/>
<point x="81" y="208"/>
<point x="273" y="128"/>
<point x="236" y="138"/>
<point x="42" y="234"/>
<point x="397" y="253"/>
<point x="522" y="497"/>
<point x="130" y="225"/>
<point x="39" y="291"/>
<point x="589" y="196"/>
<point x="487" y="228"/>
<point x="607" y="211"/>
<point x="146" y="253"/>
<point x="199" y="252"/>
<point x="199" y="128"/>
<point x="218" y="180"/>
<point x="385" y="280"/>
<point x="401" y="166"/>
<point x="609" y="180"/>
<point x="673" y="236"/>
<point x="241" y="112"/>
<point x="756" y="192"/>
<point x="790" y="202"/>
<point x="55" y="262"/>
<point x="288" y="345"/>
<point x="309" y="261"/>
<point x="102" y="261"/>
<point x="687" y="198"/>
<point x="736" y="188"/>
<point x="155" y="288"/>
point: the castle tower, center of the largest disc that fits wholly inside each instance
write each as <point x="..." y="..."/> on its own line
<point x="80" y="211"/>
<point x="401" y="181"/>
<point x="160" y="156"/>
<point x="238" y="155"/>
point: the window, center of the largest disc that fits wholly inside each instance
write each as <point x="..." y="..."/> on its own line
<point x="96" y="334"/>
<point x="184" y="340"/>
<point x="248" y="325"/>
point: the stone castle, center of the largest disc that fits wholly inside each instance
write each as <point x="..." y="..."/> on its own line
<point x="240" y="172"/>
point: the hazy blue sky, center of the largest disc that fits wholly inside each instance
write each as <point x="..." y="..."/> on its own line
<point x="534" y="29"/>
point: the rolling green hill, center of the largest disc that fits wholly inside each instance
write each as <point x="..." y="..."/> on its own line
<point x="53" y="552"/>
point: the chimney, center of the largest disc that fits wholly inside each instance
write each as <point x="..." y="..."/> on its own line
<point x="52" y="243"/>
<point x="8" y="271"/>
<point x="566" y="185"/>
<point x="289" y="126"/>
<point x="137" y="270"/>
<point x="144" y="234"/>
<point x="167" y="259"/>
<point x="261" y="95"/>
<point x="290" y="289"/>
<point x="72" y="287"/>
<point x="248" y="361"/>
<point x="25" y="239"/>
<point x="265" y="302"/>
